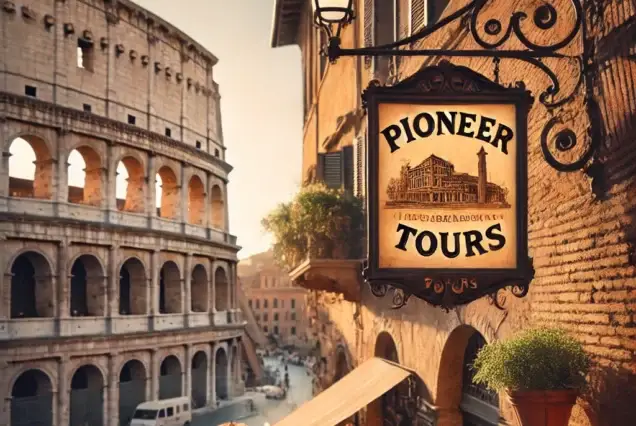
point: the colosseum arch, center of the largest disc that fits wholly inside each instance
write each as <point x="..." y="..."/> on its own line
<point x="167" y="190"/>
<point x="131" y="179"/>
<point x="199" y="379"/>
<point x="199" y="289"/>
<point x="87" y="396"/>
<point x="196" y="201"/>
<point x="170" y="289"/>
<point x="221" y="367"/>
<point x="84" y="176"/>
<point x="132" y="287"/>
<point x="217" y="212"/>
<point x="170" y="378"/>
<point x="462" y="401"/>
<point x="88" y="289"/>
<point x="132" y="389"/>
<point x="32" y="292"/>
<point x="221" y="289"/>
<point x="30" y="168"/>
<point x="32" y="399"/>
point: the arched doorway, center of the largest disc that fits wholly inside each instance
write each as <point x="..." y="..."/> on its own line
<point x="167" y="193"/>
<point x="199" y="380"/>
<point x="32" y="400"/>
<point x="130" y="185"/>
<point x="382" y="411"/>
<point x="30" y="168"/>
<point x="132" y="288"/>
<point x="87" y="397"/>
<point x="220" y="374"/>
<point x="199" y="289"/>
<point x="459" y="400"/>
<point x="31" y="287"/>
<point x="87" y="287"/>
<point x="169" y="289"/>
<point x="221" y="289"/>
<point x="84" y="176"/>
<point x="132" y="389"/>
<point x="196" y="201"/>
<point x="170" y="378"/>
<point x="217" y="211"/>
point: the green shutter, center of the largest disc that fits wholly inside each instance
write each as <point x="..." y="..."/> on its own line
<point x="332" y="169"/>
<point x="347" y="168"/>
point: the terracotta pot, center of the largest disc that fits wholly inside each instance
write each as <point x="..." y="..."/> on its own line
<point x="543" y="408"/>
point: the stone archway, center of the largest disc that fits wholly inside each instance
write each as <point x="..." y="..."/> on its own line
<point x="87" y="287"/>
<point x="87" y="397"/>
<point x="84" y="176"/>
<point x="196" y="201"/>
<point x="170" y="379"/>
<point x="378" y="412"/>
<point x="32" y="399"/>
<point x="199" y="289"/>
<point x="170" y="289"/>
<point x="221" y="289"/>
<point x="458" y="399"/>
<point x="167" y="191"/>
<point x="30" y="168"/>
<point x="32" y="293"/>
<point x="217" y="212"/>
<point x="132" y="389"/>
<point x="132" y="288"/>
<point x="221" y="374"/>
<point x="199" y="380"/>
<point x="130" y="185"/>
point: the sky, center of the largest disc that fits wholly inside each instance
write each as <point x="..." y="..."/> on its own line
<point x="255" y="81"/>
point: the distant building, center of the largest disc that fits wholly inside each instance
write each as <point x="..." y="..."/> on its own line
<point x="278" y="305"/>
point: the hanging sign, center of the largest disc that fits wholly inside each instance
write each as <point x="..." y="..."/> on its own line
<point x="447" y="183"/>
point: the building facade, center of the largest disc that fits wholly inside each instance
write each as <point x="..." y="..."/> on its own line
<point x="580" y="236"/>
<point x="109" y="298"/>
<point x="278" y="306"/>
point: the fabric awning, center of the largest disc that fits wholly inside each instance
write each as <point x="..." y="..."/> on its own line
<point x="348" y="395"/>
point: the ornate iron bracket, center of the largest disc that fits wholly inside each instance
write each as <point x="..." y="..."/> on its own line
<point x="492" y="36"/>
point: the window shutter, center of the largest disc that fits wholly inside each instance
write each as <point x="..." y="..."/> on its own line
<point x="418" y="14"/>
<point x="332" y="169"/>
<point x="402" y="19"/>
<point x="368" y="29"/>
<point x="359" y="167"/>
<point x="347" y="168"/>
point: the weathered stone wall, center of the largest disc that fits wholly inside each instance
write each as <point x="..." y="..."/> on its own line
<point x="581" y="245"/>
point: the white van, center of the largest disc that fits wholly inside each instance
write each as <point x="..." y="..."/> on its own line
<point x="166" y="412"/>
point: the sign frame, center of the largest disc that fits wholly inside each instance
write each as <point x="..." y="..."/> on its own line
<point x="449" y="84"/>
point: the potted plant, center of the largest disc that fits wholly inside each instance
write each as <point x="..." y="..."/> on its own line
<point x="542" y="371"/>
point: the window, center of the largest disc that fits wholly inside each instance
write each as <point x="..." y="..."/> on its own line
<point x="275" y="303"/>
<point x="293" y="303"/>
<point x="85" y="54"/>
<point x="265" y="329"/>
<point x="293" y="331"/>
<point x="162" y="413"/>
<point x="185" y="407"/>
<point x="31" y="91"/>
<point x="170" y="411"/>
<point x="257" y="317"/>
<point x="335" y="169"/>
<point x="275" y="329"/>
<point x="198" y="145"/>
<point x="87" y="108"/>
<point x="276" y="316"/>
<point x="168" y="132"/>
<point x="265" y="303"/>
<point x="217" y="152"/>
<point x="258" y="304"/>
<point x="249" y="303"/>
<point x="132" y="119"/>
<point x="293" y="316"/>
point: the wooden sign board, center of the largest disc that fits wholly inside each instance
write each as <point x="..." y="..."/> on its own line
<point x="447" y="185"/>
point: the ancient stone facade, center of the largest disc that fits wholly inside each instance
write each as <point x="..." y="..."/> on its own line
<point x="581" y="241"/>
<point x="107" y="302"/>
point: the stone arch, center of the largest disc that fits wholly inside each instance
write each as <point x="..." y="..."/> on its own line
<point x="170" y="378"/>
<point x="196" y="200"/>
<point x="170" y="289"/>
<point x="217" y="212"/>
<point x="32" y="399"/>
<point x="26" y="180"/>
<point x="167" y="190"/>
<point x="221" y="289"/>
<point x="132" y="170"/>
<point x="132" y="389"/>
<point x="87" y="396"/>
<point x="221" y="367"/>
<point x="32" y="292"/>
<point x="84" y="159"/>
<point x="385" y="348"/>
<point x="199" y="289"/>
<point x="456" y="395"/>
<point x="88" y="289"/>
<point x="199" y="379"/>
<point x="132" y="287"/>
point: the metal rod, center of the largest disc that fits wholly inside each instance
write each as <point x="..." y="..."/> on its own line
<point x="334" y="53"/>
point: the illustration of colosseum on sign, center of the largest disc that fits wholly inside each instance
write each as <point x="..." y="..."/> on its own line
<point x="435" y="182"/>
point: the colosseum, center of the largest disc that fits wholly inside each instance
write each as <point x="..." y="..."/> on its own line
<point x="119" y="268"/>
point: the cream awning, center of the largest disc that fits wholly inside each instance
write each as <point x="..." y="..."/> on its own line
<point x="348" y="395"/>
